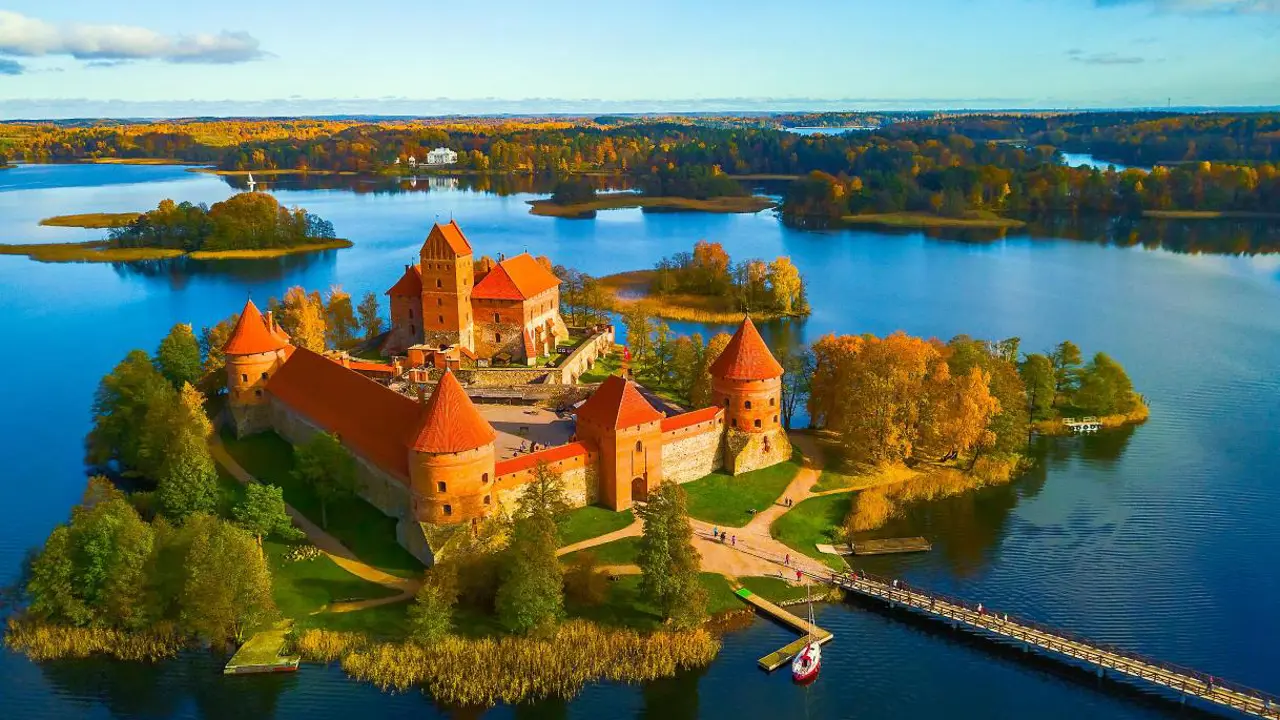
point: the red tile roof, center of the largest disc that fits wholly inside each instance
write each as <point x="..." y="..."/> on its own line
<point x="617" y="404"/>
<point x="409" y="284"/>
<point x="251" y="334"/>
<point x="372" y="420"/>
<point x="694" y="417"/>
<point x="372" y="367"/>
<point x="450" y="423"/>
<point x="530" y="460"/>
<point x="517" y="278"/>
<point x="452" y="236"/>
<point x="746" y="357"/>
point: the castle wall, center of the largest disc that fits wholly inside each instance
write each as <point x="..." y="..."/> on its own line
<point x="578" y="474"/>
<point x="406" y="325"/>
<point x="452" y="487"/>
<point x="692" y="452"/>
<point x="583" y="358"/>
<point x="382" y="490"/>
<point x="747" y="451"/>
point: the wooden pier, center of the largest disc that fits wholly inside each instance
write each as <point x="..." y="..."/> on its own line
<point x="887" y="546"/>
<point x="262" y="654"/>
<point x="1082" y="425"/>
<point x="780" y="657"/>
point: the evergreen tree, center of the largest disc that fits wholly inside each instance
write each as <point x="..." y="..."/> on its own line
<point x="668" y="561"/>
<point x="178" y="357"/>
<point x="1066" y="369"/>
<point x="1038" y="377"/>
<point x="328" y="468"/>
<point x="262" y="512"/>
<point x="370" y="320"/>
<point x="431" y="615"/>
<point x="1105" y="388"/>
<point x="531" y="597"/>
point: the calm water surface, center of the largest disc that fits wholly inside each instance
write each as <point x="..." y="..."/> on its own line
<point x="1161" y="539"/>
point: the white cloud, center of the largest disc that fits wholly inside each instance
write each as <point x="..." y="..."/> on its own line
<point x="24" y="36"/>
<point x="1203" y="6"/>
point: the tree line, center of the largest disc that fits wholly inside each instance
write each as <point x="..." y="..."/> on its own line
<point x="753" y="285"/>
<point x="245" y="221"/>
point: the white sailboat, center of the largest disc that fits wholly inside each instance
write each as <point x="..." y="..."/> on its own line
<point x="251" y="182"/>
<point x="805" y="665"/>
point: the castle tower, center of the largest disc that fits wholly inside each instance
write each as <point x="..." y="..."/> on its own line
<point x="405" y="299"/>
<point x="256" y="349"/>
<point x="746" y="381"/>
<point x="628" y="433"/>
<point x="451" y="458"/>
<point x="448" y="276"/>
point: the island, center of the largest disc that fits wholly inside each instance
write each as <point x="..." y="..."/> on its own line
<point x="691" y="190"/>
<point x="248" y="225"/>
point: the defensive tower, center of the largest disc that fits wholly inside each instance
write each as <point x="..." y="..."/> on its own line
<point x="746" y="380"/>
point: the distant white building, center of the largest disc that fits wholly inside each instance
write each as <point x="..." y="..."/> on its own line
<point x="412" y="161"/>
<point x="442" y="156"/>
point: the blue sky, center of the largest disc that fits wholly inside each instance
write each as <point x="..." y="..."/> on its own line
<point x="158" y="57"/>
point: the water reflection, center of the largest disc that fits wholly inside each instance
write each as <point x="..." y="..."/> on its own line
<point x="394" y="184"/>
<point x="178" y="272"/>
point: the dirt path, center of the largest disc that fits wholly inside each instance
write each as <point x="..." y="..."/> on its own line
<point x="328" y="544"/>
<point x="635" y="529"/>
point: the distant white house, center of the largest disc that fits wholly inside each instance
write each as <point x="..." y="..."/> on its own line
<point x="442" y="156"/>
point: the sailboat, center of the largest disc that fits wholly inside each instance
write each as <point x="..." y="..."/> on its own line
<point x="805" y="665"/>
<point x="251" y="183"/>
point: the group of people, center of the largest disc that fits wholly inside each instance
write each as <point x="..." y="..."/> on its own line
<point x="718" y="534"/>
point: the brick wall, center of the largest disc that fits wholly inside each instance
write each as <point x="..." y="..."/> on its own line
<point x="578" y="473"/>
<point x="692" y="452"/>
<point x="747" y="451"/>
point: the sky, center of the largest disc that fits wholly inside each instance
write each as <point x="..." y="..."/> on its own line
<point x="155" y="58"/>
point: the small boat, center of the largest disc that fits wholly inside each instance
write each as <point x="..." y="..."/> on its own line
<point x="805" y="665"/>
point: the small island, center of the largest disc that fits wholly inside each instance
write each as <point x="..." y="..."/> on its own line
<point x="974" y="220"/>
<point x="249" y="225"/>
<point x="692" y="190"/>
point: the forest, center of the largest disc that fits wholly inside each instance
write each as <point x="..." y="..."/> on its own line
<point x="245" y="221"/>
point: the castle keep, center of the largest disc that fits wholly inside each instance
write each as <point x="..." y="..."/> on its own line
<point x="431" y="463"/>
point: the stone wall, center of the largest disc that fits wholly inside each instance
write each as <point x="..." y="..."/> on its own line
<point x="412" y="537"/>
<point x="745" y="451"/>
<point x="579" y="475"/>
<point x="693" y="452"/>
<point x="492" y="377"/>
<point x="583" y="358"/>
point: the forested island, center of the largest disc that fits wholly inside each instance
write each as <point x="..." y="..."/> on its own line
<point x="246" y="225"/>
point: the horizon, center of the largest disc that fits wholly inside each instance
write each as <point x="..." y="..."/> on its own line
<point x="147" y="59"/>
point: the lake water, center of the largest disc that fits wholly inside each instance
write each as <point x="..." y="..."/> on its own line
<point x="1161" y="539"/>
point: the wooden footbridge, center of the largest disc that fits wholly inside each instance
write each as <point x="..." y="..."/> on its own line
<point x="1105" y="660"/>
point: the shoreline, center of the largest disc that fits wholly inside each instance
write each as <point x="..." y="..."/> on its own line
<point x="93" y="221"/>
<point x="694" y="308"/>
<point x="921" y="220"/>
<point x="97" y="251"/>
<point x="1056" y="428"/>
<point x="619" y="201"/>
<point x="1208" y="215"/>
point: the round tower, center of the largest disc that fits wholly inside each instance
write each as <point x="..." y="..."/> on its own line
<point x="451" y="458"/>
<point x="256" y="349"/>
<point x="746" y="380"/>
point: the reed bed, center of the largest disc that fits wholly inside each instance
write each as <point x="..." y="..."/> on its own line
<point x="1140" y="414"/>
<point x="488" y="671"/>
<point x="41" y="641"/>
<point x="876" y="506"/>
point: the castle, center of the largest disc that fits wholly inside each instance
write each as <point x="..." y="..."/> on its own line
<point x="509" y="310"/>
<point x="431" y="462"/>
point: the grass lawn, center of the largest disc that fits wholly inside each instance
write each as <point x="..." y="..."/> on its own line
<point x="618" y="552"/>
<point x="303" y="587"/>
<point x="624" y="607"/>
<point x="771" y="588"/>
<point x="727" y="500"/>
<point x="815" y="520"/>
<point x="592" y="521"/>
<point x="604" y="367"/>
<point x="384" y="622"/>
<point x="357" y="524"/>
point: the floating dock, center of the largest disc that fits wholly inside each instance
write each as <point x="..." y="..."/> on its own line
<point x="778" y="658"/>
<point x="262" y="654"/>
<point x="891" y="545"/>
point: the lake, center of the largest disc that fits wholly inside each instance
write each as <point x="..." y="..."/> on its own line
<point x="1156" y="539"/>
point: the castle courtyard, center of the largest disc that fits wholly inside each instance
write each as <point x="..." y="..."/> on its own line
<point x="517" y="425"/>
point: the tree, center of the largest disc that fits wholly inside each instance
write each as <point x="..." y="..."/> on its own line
<point x="573" y="190"/>
<point x="531" y="596"/>
<point x="544" y="495"/>
<point x="120" y="406"/>
<point x="370" y="320"/>
<point x="1066" y="369"/>
<point x="263" y="512"/>
<point x="340" y="318"/>
<point x="227" y="590"/>
<point x="668" y="561"/>
<point x="302" y="316"/>
<point x="785" y="284"/>
<point x="1105" y="388"/>
<point x="1038" y="375"/>
<point x="797" y="377"/>
<point x="212" y="339"/>
<point x="962" y="411"/>
<point x="663" y="353"/>
<point x="640" y="329"/>
<point x="700" y="392"/>
<point x="686" y="362"/>
<point x="584" y="582"/>
<point x="431" y="615"/>
<point x="177" y="450"/>
<point x="328" y="468"/>
<point x="178" y="357"/>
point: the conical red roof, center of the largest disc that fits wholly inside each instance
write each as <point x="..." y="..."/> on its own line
<point x="450" y="422"/>
<point x="617" y="404"/>
<point x="746" y="357"/>
<point x="251" y="334"/>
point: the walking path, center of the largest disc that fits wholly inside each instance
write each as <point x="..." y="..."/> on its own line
<point x="328" y="544"/>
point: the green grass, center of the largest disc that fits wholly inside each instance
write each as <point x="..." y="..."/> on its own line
<point x="604" y="367"/>
<point x="728" y="500"/>
<point x="977" y="219"/>
<point x="618" y="552"/>
<point x="832" y="480"/>
<point x="306" y="586"/>
<point x="353" y="521"/>
<point x="384" y="622"/>
<point x="624" y="606"/>
<point x="592" y="521"/>
<point x="771" y="588"/>
<point x="816" y="520"/>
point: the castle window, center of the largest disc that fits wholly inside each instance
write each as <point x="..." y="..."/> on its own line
<point x="439" y="302"/>
<point x="488" y="500"/>
<point x="775" y="418"/>
<point x="747" y="405"/>
<point x="257" y="393"/>
<point x="726" y="402"/>
<point x="770" y="402"/>
<point x="757" y="422"/>
<point x="440" y="487"/>
<point x="244" y="377"/>
<point x="438" y="283"/>
<point x="410" y="313"/>
<point x="639" y="446"/>
<point x="413" y="329"/>
<point x="264" y="376"/>
<point x="495" y="317"/>
<point x="448" y="509"/>
<point x="441" y="319"/>
<point x="484" y="478"/>
<point x="497" y="337"/>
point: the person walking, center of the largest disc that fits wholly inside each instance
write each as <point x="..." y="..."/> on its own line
<point x="787" y="560"/>
<point x="734" y="541"/>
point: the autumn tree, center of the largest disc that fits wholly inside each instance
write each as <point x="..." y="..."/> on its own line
<point x="785" y="284"/>
<point x="340" y="318"/>
<point x="700" y="390"/>
<point x="961" y="410"/>
<point x="213" y="365"/>
<point x="669" y="564"/>
<point x="176" y="453"/>
<point x="178" y="357"/>
<point x="226" y="594"/>
<point x="686" y="363"/>
<point x="1066" y="369"/>
<point x="370" y="320"/>
<point x="303" y="317"/>
<point x="797" y="379"/>
<point x="328" y="468"/>
<point x="640" y="327"/>
<point x="1038" y="376"/>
